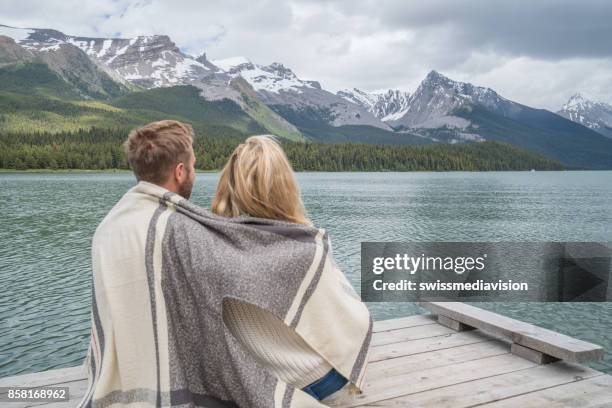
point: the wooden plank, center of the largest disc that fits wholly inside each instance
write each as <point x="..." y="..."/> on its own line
<point x="486" y="390"/>
<point x="453" y="324"/>
<point x="407" y="348"/>
<point x="532" y="355"/>
<point x="428" y="379"/>
<point x="439" y="358"/>
<point x="537" y="338"/>
<point x="403" y="322"/>
<point x="56" y="376"/>
<point x="409" y="333"/>
<point x="416" y="362"/>
<point x="590" y="393"/>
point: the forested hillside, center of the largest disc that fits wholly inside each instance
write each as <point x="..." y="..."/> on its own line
<point x="102" y="149"/>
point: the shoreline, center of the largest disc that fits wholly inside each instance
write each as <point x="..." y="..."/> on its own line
<point x="81" y="171"/>
<point x="124" y="171"/>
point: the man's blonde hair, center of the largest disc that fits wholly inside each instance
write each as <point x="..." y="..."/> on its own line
<point x="259" y="181"/>
<point x="155" y="149"/>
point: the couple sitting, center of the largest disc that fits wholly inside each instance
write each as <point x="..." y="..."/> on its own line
<point x="239" y="307"/>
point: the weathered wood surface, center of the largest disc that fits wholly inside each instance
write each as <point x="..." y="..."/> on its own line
<point x="531" y="354"/>
<point x="453" y="324"/>
<point x="527" y="335"/>
<point x="416" y="362"/>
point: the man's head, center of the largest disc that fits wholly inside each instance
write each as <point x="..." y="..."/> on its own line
<point x="162" y="153"/>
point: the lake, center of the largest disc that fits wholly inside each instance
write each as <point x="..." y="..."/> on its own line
<point x="48" y="220"/>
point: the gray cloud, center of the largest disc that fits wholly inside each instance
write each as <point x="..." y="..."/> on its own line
<point x="542" y="29"/>
<point x="535" y="52"/>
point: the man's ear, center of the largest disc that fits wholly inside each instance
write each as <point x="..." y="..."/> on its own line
<point x="179" y="171"/>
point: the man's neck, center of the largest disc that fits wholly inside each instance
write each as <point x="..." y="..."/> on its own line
<point x="172" y="187"/>
<point x="168" y="185"/>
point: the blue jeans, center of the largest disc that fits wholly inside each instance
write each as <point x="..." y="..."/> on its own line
<point x="326" y="385"/>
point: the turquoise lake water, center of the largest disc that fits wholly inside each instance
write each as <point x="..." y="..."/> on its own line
<point x="48" y="220"/>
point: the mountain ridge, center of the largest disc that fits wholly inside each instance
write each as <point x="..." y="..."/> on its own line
<point x="148" y="62"/>
<point x="387" y="106"/>
<point x="440" y="110"/>
<point x="278" y="85"/>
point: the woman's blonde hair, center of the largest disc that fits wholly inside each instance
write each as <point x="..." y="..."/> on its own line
<point x="259" y="181"/>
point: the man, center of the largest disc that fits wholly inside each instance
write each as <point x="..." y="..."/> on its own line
<point x="163" y="271"/>
<point x="162" y="158"/>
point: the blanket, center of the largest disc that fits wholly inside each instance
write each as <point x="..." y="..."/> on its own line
<point x="162" y="267"/>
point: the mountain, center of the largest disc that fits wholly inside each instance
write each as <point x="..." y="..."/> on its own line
<point x="386" y="106"/>
<point x="281" y="89"/>
<point x="435" y="101"/>
<point x="453" y="112"/>
<point x="319" y="115"/>
<point x="84" y="78"/>
<point x="57" y="82"/>
<point x="592" y="114"/>
<point x="144" y="62"/>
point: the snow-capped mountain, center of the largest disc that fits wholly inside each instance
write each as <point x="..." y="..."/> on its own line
<point x="278" y="101"/>
<point x="155" y="61"/>
<point x="149" y="62"/>
<point x="386" y="106"/>
<point x="589" y="113"/>
<point x="89" y="79"/>
<point x="451" y="111"/>
<point x="270" y="78"/>
<point x="436" y="100"/>
<point x="146" y="61"/>
<point x="280" y="88"/>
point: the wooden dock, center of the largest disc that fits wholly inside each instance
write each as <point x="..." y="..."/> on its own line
<point x="458" y="356"/>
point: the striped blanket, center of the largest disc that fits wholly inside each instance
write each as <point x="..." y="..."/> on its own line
<point x="161" y="269"/>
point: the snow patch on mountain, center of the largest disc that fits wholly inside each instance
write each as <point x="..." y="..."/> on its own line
<point x="394" y="116"/>
<point x="148" y="61"/>
<point x="592" y="114"/>
<point x="228" y="64"/>
<point x="270" y="78"/>
<point x="386" y="106"/>
<point x="365" y="99"/>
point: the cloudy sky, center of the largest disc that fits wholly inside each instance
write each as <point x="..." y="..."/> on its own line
<point x="536" y="52"/>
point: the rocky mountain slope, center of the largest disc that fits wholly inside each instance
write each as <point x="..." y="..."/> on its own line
<point x="435" y="101"/>
<point x="144" y="62"/>
<point x="386" y="106"/>
<point x="280" y="88"/>
<point x="592" y="114"/>
<point x="88" y="79"/>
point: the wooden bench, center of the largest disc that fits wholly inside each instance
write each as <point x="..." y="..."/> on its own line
<point x="528" y="341"/>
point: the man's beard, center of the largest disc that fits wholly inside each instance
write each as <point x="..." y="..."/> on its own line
<point x="185" y="189"/>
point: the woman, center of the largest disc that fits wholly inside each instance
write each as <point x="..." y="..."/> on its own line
<point x="258" y="181"/>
